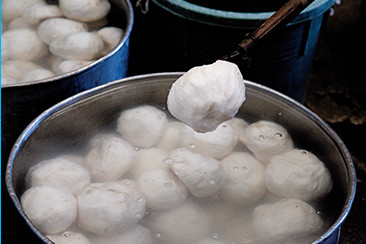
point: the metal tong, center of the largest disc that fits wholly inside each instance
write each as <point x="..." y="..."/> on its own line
<point x="280" y="18"/>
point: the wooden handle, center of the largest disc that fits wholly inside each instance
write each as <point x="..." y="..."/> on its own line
<point x="280" y="18"/>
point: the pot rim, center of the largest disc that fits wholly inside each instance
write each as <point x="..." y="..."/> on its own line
<point x="351" y="172"/>
<point x="125" y="38"/>
<point x="223" y="18"/>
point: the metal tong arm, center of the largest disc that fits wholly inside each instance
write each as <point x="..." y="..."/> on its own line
<point x="280" y="18"/>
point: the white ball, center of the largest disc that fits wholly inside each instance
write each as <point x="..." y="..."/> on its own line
<point x="244" y="179"/>
<point x="85" y="10"/>
<point x="50" y="209"/>
<point x="162" y="189"/>
<point x="36" y="13"/>
<point x="202" y="175"/>
<point x="110" y="36"/>
<point x="5" y="49"/>
<point x="67" y="66"/>
<point x="77" y="46"/>
<point x="110" y="208"/>
<point x="109" y="157"/>
<point x="298" y="174"/>
<point x="59" y="172"/>
<point x="147" y="159"/>
<point x="266" y="139"/>
<point x="172" y="136"/>
<point x="37" y="74"/>
<point x="25" y="44"/>
<point x="215" y="144"/>
<point x="287" y="218"/>
<point x="13" y="70"/>
<point x="142" y="126"/>
<point x="207" y="95"/>
<point x="11" y="9"/>
<point x="51" y="29"/>
<point x="239" y="125"/>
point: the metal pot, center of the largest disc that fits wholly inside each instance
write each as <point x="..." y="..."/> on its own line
<point x="70" y="123"/>
<point x="23" y="102"/>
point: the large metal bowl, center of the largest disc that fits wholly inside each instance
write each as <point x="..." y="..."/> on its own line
<point x="21" y="103"/>
<point x="69" y="124"/>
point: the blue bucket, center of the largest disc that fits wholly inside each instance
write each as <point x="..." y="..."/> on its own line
<point x="181" y="35"/>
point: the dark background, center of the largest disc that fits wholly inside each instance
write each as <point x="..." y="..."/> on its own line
<point x="337" y="93"/>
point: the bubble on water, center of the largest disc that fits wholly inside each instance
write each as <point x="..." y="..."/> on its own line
<point x="192" y="146"/>
<point x="235" y="168"/>
<point x="168" y="184"/>
<point x="168" y="161"/>
<point x="304" y="152"/>
<point x="261" y="137"/>
<point x="67" y="234"/>
<point x="197" y="172"/>
<point x="278" y="135"/>
<point x="211" y="182"/>
<point x="318" y="212"/>
<point x="244" y="168"/>
<point x="158" y="234"/>
<point x="216" y="196"/>
<point x="141" y="200"/>
<point x="127" y="182"/>
<point x="136" y="149"/>
<point x="215" y="236"/>
<point x="279" y="113"/>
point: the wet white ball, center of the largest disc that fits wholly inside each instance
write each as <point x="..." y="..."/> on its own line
<point x="162" y="189"/>
<point x="266" y="139"/>
<point x="244" y="180"/>
<point x="109" y="157"/>
<point x="59" y="172"/>
<point x="287" y="218"/>
<point x="142" y="126"/>
<point x="298" y="174"/>
<point x="110" y="208"/>
<point x="202" y="175"/>
<point x="50" y="209"/>
<point x="215" y="144"/>
<point x="207" y="95"/>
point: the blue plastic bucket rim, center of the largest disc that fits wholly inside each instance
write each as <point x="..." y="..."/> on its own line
<point x="231" y="19"/>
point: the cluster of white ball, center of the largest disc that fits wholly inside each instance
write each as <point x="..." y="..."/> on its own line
<point x="41" y="40"/>
<point x="144" y="184"/>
